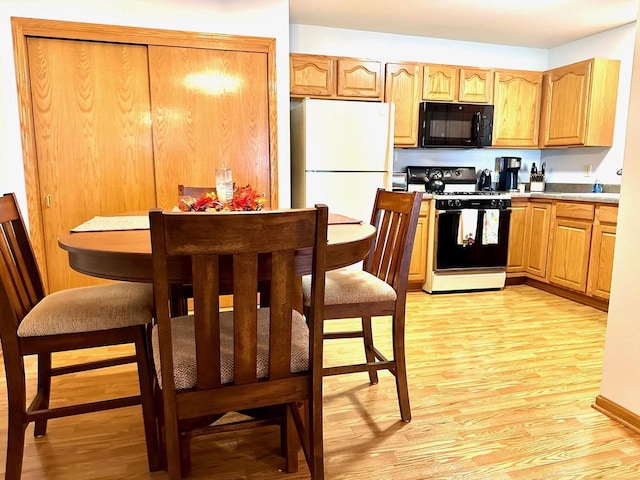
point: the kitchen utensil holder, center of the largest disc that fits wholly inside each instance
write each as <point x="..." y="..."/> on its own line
<point x="536" y="182"/>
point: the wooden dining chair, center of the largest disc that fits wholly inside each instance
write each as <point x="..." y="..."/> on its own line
<point x="378" y="290"/>
<point x="32" y="323"/>
<point x="211" y="363"/>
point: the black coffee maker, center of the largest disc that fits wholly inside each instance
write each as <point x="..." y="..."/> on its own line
<point x="508" y="178"/>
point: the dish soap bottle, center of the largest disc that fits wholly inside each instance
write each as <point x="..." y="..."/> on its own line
<point x="597" y="187"/>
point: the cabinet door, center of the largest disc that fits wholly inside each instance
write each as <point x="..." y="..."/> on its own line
<point x="538" y="225"/>
<point x="569" y="254"/>
<point x="476" y="85"/>
<point x="402" y="87"/>
<point x="418" y="265"/>
<point x="311" y="75"/>
<point x="440" y="83"/>
<point x="93" y="139"/>
<point x="516" y="120"/>
<point x="518" y="245"/>
<point x="565" y="105"/>
<point x="216" y="116"/>
<point x="601" y="261"/>
<point x="359" y="78"/>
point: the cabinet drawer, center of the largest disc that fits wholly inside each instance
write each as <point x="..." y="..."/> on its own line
<point x="580" y="211"/>
<point x="607" y="214"/>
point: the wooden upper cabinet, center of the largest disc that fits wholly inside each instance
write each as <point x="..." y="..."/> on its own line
<point x="320" y="76"/>
<point x="440" y="83"/>
<point x="359" y="78"/>
<point x="476" y="85"/>
<point x="452" y="83"/>
<point x="402" y="87"/>
<point x="579" y="104"/>
<point x="516" y="116"/>
<point x="311" y="75"/>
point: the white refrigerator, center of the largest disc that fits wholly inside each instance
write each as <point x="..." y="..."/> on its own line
<point x="341" y="152"/>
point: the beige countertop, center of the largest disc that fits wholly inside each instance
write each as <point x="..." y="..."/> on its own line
<point x="584" y="197"/>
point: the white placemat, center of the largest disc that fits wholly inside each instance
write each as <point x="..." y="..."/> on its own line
<point x="104" y="224"/>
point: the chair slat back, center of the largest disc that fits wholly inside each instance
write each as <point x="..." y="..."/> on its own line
<point x="19" y="274"/>
<point x="195" y="192"/>
<point x="395" y="216"/>
<point x="262" y="245"/>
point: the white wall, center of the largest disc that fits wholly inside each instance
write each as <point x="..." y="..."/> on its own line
<point x="262" y="18"/>
<point x="622" y="344"/>
<point x="567" y="166"/>
<point x="398" y="48"/>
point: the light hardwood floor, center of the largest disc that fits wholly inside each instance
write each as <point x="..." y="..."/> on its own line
<point x="501" y="387"/>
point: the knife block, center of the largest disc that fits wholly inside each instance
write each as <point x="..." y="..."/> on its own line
<point x="536" y="182"/>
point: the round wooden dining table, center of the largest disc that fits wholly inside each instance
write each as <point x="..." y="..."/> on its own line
<point x="126" y="254"/>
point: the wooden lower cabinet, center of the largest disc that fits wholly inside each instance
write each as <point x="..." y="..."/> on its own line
<point x="518" y="244"/>
<point x="569" y="254"/>
<point x="570" y="244"/>
<point x="602" y="247"/>
<point x="538" y="224"/>
<point x="418" y="266"/>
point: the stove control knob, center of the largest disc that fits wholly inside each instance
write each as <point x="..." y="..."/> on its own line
<point x="493" y="203"/>
<point x="457" y="202"/>
<point x="450" y="203"/>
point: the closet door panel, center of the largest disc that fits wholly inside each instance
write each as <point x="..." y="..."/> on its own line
<point x="91" y="114"/>
<point x="209" y="109"/>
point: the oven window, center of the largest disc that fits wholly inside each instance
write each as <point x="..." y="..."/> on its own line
<point x="449" y="254"/>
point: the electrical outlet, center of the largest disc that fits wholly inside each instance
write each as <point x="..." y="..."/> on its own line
<point x="587" y="170"/>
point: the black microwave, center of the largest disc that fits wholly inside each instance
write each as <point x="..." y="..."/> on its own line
<point x="456" y="125"/>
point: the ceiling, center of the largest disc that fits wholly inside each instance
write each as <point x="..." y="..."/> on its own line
<point x="526" y="23"/>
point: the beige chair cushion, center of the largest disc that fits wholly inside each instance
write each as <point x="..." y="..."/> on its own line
<point x="347" y="285"/>
<point x="89" y="309"/>
<point x="184" y="348"/>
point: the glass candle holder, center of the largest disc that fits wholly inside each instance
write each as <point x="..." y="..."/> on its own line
<point x="224" y="184"/>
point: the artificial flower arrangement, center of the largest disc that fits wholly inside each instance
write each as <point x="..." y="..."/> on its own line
<point x="244" y="199"/>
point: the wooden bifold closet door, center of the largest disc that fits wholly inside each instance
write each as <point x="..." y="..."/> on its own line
<point x="209" y="109"/>
<point x="91" y="113"/>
